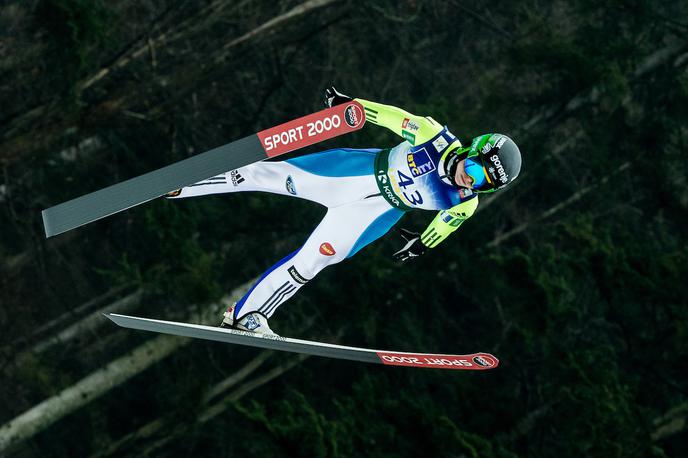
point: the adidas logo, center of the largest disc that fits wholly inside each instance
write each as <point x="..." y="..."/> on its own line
<point x="236" y="178"/>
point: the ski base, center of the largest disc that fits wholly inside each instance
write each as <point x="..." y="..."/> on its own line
<point x="474" y="361"/>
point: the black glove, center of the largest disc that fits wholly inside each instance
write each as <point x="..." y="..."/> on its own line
<point x="334" y="98"/>
<point x="413" y="248"/>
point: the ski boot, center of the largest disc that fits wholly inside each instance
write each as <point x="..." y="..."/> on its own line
<point x="251" y="322"/>
<point x="228" y="320"/>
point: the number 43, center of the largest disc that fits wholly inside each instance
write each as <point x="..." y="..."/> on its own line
<point x="405" y="181"/>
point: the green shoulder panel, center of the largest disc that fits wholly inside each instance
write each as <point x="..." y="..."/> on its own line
<point x="447" y="221"/>
<point x="412" y="128"/>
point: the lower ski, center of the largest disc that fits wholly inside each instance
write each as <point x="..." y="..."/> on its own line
<point x="474" y="361"/>
<point x="272" y="142"/>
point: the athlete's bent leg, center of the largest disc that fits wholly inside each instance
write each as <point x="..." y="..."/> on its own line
<point x="342" y="233"/>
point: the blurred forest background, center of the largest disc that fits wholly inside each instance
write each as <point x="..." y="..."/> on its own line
<point x="574" y="277"/>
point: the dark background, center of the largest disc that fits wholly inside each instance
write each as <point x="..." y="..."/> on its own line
<point x="574" y="277"/>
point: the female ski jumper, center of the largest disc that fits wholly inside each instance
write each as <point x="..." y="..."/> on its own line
<point x="366" y="191"/>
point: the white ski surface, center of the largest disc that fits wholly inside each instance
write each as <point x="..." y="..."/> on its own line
<point x="474" y="361"/>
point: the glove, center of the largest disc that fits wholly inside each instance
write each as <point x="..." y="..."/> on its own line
<point x="413" y="248"/>
<point x="334" y="98"/>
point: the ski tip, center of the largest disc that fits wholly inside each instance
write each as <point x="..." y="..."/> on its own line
<point x="474" y="362"/>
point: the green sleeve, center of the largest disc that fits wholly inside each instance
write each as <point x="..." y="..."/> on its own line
<point x="447" y="221"/>
<point x="414" y="129"/>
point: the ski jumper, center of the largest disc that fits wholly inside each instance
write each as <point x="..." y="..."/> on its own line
<point x="366" y="191"/>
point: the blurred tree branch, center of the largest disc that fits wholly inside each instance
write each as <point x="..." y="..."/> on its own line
<point x="673" y="422"/>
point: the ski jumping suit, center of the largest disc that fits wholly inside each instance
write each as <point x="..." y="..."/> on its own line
<point x="366" y="191"/>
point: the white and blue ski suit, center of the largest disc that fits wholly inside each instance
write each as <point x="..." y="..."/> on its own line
<point x="366" y="191"/>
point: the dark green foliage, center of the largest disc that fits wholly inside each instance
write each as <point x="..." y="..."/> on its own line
<point x="75" y="27"/>
<point x="368" y="421"/>
<point x="574" y="277"/>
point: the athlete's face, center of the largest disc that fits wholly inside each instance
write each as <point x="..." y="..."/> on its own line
<point x="461" y="177"/>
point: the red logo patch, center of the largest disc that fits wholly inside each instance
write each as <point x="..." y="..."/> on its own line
<point x="353" y="116"/>
<point x="405" y="123"/>
<point x="326" y="249"/>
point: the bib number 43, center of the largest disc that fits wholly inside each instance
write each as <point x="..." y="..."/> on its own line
<point x="404" y="181"/>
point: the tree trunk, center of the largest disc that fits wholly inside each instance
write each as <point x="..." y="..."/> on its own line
<point x="99" y="382"/>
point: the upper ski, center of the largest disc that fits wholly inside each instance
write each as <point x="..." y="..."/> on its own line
<point x="301" y="132"/>
<point x="474" y="361"/>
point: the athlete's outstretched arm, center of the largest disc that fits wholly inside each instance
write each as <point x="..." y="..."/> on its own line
<point x="447" y="221"/>
<point x="414" y="129"/>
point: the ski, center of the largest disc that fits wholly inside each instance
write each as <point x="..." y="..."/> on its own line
<point x="268" y="143"/>
<point x="474" y="361"/>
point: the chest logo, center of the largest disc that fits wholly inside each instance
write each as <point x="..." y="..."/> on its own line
<point x="440" y="144"/>
<point x="419" y="162"/>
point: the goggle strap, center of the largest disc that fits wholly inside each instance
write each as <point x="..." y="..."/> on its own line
<point x="487" y="176"/>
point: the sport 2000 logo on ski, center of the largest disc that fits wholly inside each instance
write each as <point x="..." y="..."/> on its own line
<point x="296" y="134"/>
<point x="412" y="360"/>
<point x="312" y="129"/>
<point x="353" y="115"/>
<point x="476" y="361"/>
